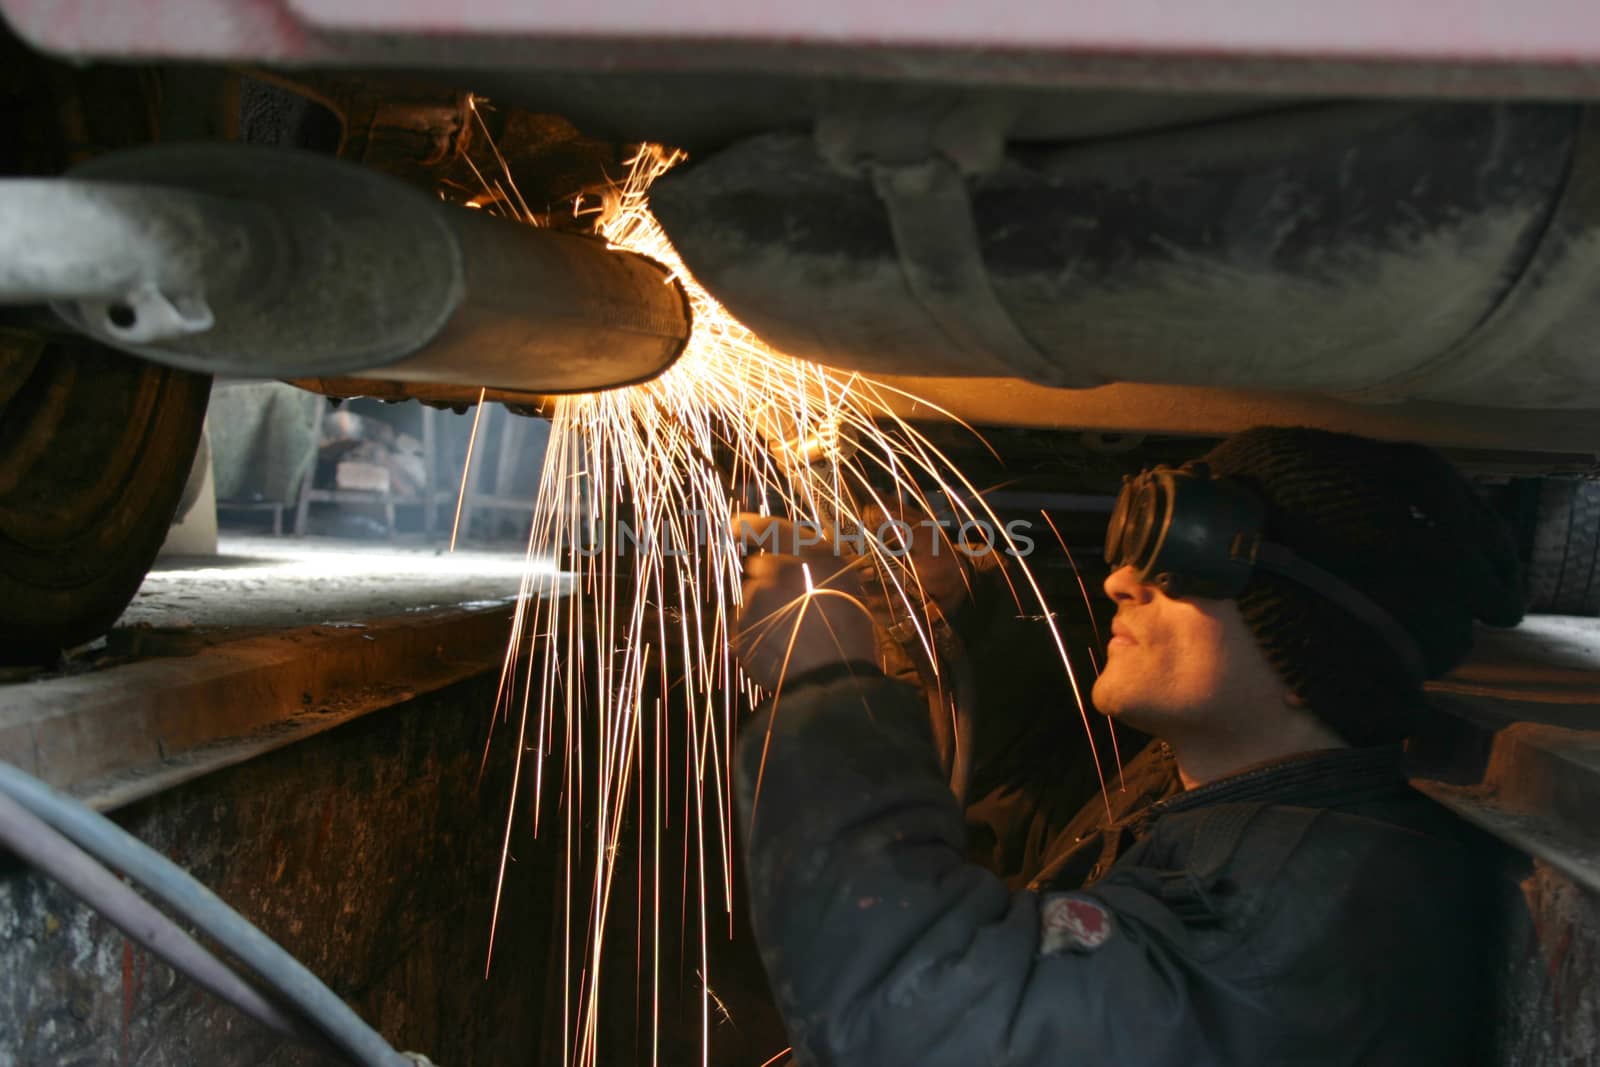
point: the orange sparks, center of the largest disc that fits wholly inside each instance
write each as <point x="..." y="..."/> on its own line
<point x="636" y="493"/>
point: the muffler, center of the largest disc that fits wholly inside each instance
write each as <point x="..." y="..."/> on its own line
<point x="259" y="262"/>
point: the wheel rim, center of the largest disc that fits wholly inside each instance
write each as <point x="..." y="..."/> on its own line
<point x="70" y="451"/>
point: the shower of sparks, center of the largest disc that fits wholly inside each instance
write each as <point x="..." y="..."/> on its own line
<point x="466" y="468"/>
<point x="1094" y="661"/>
<point x="637" y="489"/>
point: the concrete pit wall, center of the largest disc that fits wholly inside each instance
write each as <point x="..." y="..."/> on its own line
<point x="369" y="853"/>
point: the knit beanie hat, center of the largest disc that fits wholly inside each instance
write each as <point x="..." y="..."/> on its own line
<point x="1398" y="523"/>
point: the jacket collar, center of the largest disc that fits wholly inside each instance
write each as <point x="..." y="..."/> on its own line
<point x="1334" y="777"/>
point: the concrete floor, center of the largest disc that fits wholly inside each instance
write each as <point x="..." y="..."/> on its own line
<point x="261" y="583"/>
<point x="221" y="658"/>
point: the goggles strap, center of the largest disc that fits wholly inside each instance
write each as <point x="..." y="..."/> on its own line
<point x="1282" y="561"/>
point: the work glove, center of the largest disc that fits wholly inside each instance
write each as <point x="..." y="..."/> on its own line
<point x="803" y="608"/>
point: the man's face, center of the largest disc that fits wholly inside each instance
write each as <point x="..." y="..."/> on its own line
<point x="1178" y="664"/>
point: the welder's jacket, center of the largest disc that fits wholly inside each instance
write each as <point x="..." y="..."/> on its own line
<point x="1315" y="910"/>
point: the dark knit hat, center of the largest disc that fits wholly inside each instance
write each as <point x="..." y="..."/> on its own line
<point x="1401" y="525"/>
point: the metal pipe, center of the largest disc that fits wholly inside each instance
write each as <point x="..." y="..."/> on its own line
<point x="584" y="314"/>
<point x="36" y="842"/>
<point x="241" y="260"/>
<point x="77" y="240"/>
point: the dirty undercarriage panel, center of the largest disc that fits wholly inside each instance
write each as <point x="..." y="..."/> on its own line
<point x="1372" y="252"/>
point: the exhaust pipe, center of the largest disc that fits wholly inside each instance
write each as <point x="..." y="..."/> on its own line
<point x="257" y="262"/>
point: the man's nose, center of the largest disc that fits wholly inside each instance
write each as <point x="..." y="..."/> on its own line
<point x="1123" y="584"/>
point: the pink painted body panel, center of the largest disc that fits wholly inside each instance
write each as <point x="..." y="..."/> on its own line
<point x="1549" y="30"/>
<point x="1498" y="47"/>
<point x="213" y="29"/>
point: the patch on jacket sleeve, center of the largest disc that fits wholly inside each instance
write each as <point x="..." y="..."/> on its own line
<point x="1069" y="922"/>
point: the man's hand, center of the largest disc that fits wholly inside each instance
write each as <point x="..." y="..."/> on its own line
<point x="802" y="604"/>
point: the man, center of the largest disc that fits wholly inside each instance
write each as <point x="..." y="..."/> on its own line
<point x="1266" y="889"/>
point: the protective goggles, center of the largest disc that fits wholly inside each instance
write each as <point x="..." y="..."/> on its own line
<point x="1192" y="535"/>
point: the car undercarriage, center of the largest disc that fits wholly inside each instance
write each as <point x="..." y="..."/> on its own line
<point x="1054" y="248"/>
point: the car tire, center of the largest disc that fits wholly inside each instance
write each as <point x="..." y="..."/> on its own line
<point x="1564" y="564"/>
<point x="95" y="450"/>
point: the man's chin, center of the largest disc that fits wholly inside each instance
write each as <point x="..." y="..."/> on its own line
<point x="1116" y="705"/>
<point x="1104" y="698"/>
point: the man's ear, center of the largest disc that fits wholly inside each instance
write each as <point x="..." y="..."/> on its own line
<point x="1293" y="699"/>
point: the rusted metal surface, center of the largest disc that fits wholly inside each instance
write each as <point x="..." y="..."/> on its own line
<point x="1538" y="794"/>
<point x="1517" y="747"/>
<point x="370" y="855"/>
<point x="1547" y="1004"/>
<point x="1517" y="753"/>
<point x="1547" y="47"/>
